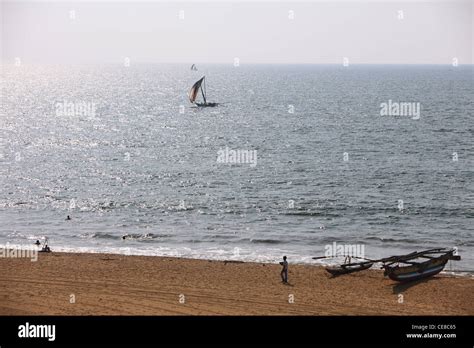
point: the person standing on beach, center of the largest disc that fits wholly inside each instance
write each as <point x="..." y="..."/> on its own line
<point x="284" y="271"/>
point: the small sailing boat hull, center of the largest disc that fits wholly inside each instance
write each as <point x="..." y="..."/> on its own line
<point x="419" y="271"/>
<point x="207" y="105"/>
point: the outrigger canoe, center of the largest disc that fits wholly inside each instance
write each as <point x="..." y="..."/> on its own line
<point x="419" y="270"/>
<point x="402" y="268"/>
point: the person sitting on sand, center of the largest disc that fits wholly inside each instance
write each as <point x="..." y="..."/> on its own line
<point x="45" y="248"/>
<point x="284" y="271"/>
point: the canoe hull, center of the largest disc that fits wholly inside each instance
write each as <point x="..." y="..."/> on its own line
<point x="419" y="271"/>
<point x="411" y="273"/>
<point x="346" y="269"/>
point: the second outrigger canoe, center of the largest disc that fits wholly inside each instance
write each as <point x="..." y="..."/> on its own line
<point x="405" y="270"/>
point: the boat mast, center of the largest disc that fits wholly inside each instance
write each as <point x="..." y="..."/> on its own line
<point x="203" y="93"/>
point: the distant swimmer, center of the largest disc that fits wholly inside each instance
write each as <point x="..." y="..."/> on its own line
<point x="284" y="270"/>
<point x="68" y="218"/>
<point x="37" y="242"/>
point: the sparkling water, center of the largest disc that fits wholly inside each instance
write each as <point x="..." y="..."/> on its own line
<point x="296" y="157"/>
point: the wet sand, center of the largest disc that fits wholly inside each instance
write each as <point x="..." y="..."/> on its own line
<point x="107" y="284"/>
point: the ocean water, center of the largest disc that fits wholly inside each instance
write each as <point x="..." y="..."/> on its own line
<point x="329" y="167"/>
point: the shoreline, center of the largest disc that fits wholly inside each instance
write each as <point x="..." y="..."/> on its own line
<point x="21" y="248"/>
<point x="115" y="284"/>
<point x="444" y="273"/>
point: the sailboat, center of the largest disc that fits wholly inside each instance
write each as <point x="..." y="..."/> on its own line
<point x="194" y="91"/>
<point x="193" y="67"/>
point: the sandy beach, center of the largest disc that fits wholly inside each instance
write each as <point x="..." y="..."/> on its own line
<point x="107" y="284"/>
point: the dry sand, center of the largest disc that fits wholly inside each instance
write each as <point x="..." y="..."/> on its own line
<point x="104" y="284"/>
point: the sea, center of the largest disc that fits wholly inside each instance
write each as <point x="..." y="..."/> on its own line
<point x="296" y="160"/>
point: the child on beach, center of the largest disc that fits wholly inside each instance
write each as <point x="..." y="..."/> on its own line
<point x="284" y="271"/>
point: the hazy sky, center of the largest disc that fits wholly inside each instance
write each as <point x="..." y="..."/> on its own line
<point x="260" y="32"/>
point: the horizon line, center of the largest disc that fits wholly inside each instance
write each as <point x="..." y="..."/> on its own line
<point x="224" y="63"/>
